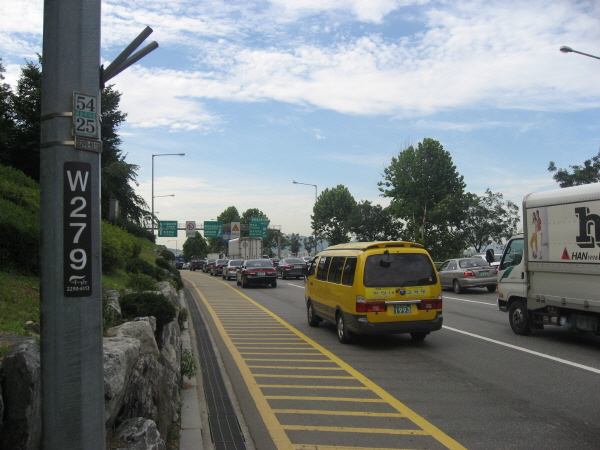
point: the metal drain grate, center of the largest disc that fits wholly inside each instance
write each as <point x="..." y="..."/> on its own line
<point x="224" y="427"/>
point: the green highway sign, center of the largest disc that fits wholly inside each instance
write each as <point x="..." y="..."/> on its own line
<point x="167" y="228"/>
<point x="258" y="227"/>
<point x="213" y="229"/>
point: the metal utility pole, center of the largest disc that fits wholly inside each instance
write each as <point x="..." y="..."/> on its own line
<point x="70" y="259"/>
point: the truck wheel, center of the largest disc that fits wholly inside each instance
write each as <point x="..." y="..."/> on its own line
<point x="517" y="316"/>
<point x="344" y="335"/>
<point x="491" y="288"/>
<point x="457" y="287"/>
<point x="313" y="319"/>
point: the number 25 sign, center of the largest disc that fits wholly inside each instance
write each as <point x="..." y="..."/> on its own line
<point x="85" y="115"/>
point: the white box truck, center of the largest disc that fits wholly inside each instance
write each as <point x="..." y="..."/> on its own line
<point x="245" y="248"/>
<point x="549" y="275"/>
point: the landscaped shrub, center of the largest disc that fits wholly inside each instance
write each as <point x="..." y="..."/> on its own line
<point x="161" y="262"/>
<point x="117" y="247"/>
<point x="19" y="238"/>
<point x="140" y="282"/>
<point x="143" y="304"/>
<point x="134" y="229"/>
<point x="138" y="265"/>
<point x="19" y="189"/>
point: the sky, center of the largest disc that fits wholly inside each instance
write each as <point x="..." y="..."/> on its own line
<point x="261" y="93"/>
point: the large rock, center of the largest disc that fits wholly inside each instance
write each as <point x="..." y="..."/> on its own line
<point x="140" y="330"/>
<point x="21" y="390"/>
<point x="140" y="434"/>
<point x="169" y="291"/>
<point x="149" y="395"/>
<point x="120" y="357"/>
<point x="170" y="358"/>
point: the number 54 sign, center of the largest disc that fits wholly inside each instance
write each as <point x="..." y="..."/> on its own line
<point x="85" y="115"/>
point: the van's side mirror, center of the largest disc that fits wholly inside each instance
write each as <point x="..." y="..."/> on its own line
<point x="489" y="255"/>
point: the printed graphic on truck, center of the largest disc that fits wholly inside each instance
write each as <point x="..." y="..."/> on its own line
<point x="564" y="233"/>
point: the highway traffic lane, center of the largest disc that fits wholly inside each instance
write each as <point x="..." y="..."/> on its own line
<point x="254" y="329"/>
<point x="478" y="393"/>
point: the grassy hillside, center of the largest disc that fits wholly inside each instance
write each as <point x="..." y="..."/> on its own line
<point x="19" y="250"/>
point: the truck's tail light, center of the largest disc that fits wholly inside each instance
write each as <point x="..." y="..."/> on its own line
<point x="468" y="273"/>
<point x="363" y="306"/>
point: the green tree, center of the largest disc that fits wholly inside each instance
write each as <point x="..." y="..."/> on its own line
<point x="586" y="174"/>
<point x="25" y="151"/>
<point x="272" y="241"/>
<point x="374" y="223"/>
<point x="194" y="246"/>
<point x="294" y="243"/>
<point x="489" y="219"/>
<point x="332" y="214"/>
<point x="230" y="214"/>
<point x="7" y="119"/>
<point x="310" y="244"/>
<point x="426" y="192"/>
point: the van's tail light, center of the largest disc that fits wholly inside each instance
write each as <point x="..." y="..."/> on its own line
<point x="468" y="273"/>
<point x="431" y="304"/>
<point x="364" y="306"/>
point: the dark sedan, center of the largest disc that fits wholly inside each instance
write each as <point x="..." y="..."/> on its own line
<point x="256" y="271"/>
<point x="291" y="267"/>
<point x="218" y="266"/>
<point x="207" y="265"/>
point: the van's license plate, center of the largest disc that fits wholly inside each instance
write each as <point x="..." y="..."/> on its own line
<point x="402" y="309"/>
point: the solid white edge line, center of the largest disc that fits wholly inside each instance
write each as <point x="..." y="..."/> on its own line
<point x="470" y="301"/>
<point x="514" y="347"/>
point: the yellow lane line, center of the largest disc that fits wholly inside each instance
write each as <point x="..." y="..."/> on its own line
<point x="285" y="353"/>
<point x="356" y="430"/>
<point x="337" y="413"/>
<point x="338" y="447"/>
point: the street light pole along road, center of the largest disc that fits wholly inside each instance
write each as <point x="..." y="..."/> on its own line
<point x="159" y="154"/>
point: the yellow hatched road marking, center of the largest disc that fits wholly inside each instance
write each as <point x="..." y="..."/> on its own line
<point x="292" y="360"/>
<point x="355" y="430"/>
<point x="300" y="386"/>
<point x="333" y="399"/>
<point x="296" y="368"/>
<point x="337" y="413"/>
<point x="274" y="375"/>
<point x="276" y="430"/>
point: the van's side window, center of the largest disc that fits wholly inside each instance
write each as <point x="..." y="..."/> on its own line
<point x="312" y="267"/>
<point x="349" y="269"/>
<point x="323" y="267"/>
<point x="336" y="268"/>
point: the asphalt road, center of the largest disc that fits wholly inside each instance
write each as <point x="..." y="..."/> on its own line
<point x="474" y="384"/>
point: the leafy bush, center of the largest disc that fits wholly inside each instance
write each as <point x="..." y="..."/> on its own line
<point x="138" y="265"/>
<point x="19" y="238"/>
<point x="140" y="282"/>
<point x="168" y="255"/>
<point x="182" y="318"/>
<point x="117" y="247"/>
<point x="161" y="262"/>
<point x="188" y="364"/>
<point x="134" y="229"/>
<point x="143" y="304"/>
<point x="19" y="189"/>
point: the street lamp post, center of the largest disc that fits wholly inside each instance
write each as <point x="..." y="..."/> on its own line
<point x="306" y="184"/>
<point x="567" y="49"/>
<point x="159" y="154"/>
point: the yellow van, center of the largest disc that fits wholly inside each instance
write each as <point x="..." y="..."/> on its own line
<point x="385" y="287"/>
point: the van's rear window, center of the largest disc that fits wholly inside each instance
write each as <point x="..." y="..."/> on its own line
<point x="401" y="269"/>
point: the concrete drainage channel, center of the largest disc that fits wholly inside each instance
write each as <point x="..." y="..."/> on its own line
<point x="224" y="427"/>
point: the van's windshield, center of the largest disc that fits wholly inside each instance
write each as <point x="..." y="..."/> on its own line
<point x="405" y="269"/>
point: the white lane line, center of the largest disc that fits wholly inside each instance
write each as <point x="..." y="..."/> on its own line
<point x="514" y="347"/>
<point x="295" y="285"/>
<point x="470" y="301"/>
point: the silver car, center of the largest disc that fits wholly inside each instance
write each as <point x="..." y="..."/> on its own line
<point x="231" y="268"/>
<point x="462" y="273"/>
